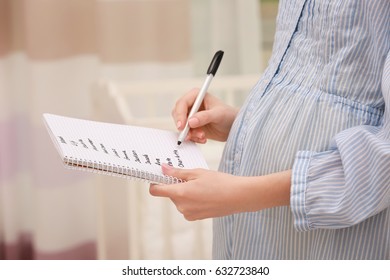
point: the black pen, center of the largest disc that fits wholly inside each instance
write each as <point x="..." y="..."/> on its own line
<point x="211" y="71"/>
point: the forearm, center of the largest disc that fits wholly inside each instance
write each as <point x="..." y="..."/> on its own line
<point x="261" y="192"/>
<point x="209" y="194"/>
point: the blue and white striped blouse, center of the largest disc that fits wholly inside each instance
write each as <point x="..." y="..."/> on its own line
<point x="319" y="109"/>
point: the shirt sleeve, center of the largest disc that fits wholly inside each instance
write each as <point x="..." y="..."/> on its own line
<point x="348" y="183"/>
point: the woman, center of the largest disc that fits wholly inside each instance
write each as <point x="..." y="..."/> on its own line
<point x="305" y="172"/>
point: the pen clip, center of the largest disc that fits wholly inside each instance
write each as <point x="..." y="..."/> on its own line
<point x="215" y="63"/>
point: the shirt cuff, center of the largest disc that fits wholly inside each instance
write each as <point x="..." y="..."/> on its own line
<point x="298" y="190"/>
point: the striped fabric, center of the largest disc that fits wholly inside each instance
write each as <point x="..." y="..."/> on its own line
<point x="319" y="109"/>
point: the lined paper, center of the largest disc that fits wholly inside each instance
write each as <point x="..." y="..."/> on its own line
<point x="122" y="149"/>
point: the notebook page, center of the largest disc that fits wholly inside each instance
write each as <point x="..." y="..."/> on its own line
<point x="121" y="145"/>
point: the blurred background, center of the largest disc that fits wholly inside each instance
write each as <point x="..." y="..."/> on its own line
<point x="124" y="61"/>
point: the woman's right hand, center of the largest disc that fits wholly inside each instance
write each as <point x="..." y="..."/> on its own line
<point x="213" y="120"/>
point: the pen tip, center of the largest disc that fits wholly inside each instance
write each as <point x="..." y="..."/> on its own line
<point x="178" y="143"/>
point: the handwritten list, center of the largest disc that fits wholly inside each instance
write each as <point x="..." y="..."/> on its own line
<point x="130" y="147"/>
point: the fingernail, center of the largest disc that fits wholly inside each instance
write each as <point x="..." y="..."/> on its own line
<point x="178" y="124"/>
<point x="193" y="122"/>
<point x="200" y="135"/>
<point x="166" y="166"/>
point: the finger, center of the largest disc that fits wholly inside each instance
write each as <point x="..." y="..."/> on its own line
<point x="202" y="118"/>
<point x="181" y="109"/>
<point x="196" y="133"/>
<point x="200" y="140"/>
<point x="183" y="174"/>
<point x="161" y="190"/>
<point x="171" y="190"/>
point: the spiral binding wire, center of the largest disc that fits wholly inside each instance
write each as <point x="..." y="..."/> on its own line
<point x="118" y="171"/>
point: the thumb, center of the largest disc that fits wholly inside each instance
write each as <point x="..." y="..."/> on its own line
<point x="168" y="170"/>
<point x="167" y="190"/>
<point x="200" y="119"/>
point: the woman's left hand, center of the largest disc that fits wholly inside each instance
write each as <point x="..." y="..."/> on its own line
<point x="207" y="193"/>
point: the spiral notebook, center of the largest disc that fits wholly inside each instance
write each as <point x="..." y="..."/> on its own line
<point x="121" y="150"/>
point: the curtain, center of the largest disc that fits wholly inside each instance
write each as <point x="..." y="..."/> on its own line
<point x="51" y="53"/>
